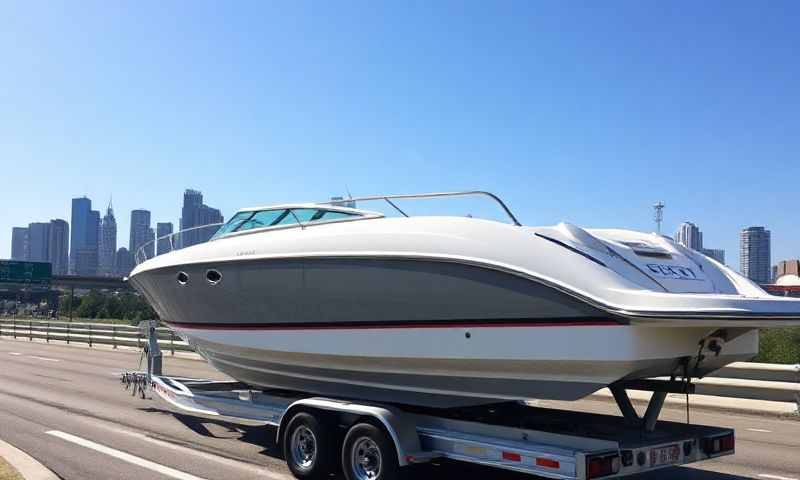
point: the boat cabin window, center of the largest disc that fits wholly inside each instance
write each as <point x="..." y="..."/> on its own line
<point x="264" y="218"/>
<point x="243" y="221"/>
<point x="233" y="223"/>
<point x="304" y="215"/>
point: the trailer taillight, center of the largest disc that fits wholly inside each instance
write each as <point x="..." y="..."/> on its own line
<point x="602" y="465"/>
<point x="548" y="462"/>
<point x="714" y="445"/>
<point x="512" y="457"/>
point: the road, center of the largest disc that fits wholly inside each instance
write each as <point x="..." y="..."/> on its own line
<point x="64" y="405"/>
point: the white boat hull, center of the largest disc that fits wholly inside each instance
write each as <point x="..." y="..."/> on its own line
<point x="446" y="367"/>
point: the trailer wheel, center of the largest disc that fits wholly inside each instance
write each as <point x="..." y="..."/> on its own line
<point x="308" y="447"/>
<point x="369" y="454"/>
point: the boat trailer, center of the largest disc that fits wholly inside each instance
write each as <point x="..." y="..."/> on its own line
<point x="319" y="435"/>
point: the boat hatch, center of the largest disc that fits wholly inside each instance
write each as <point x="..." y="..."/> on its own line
<point x="645" y="250"/>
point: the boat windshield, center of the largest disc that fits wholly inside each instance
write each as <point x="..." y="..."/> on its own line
<point x="249" y="220"/>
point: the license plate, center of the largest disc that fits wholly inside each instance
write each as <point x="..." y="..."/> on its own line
<point x="664" y="455"/>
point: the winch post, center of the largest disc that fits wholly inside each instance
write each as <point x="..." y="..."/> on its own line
<point x="152" y="349"/>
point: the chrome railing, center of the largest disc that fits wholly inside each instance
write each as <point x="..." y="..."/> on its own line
<point x="175" y="241"/>
<point x="388" y="199"/>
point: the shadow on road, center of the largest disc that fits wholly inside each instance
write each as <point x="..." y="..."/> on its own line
<point x="261" y="436"/>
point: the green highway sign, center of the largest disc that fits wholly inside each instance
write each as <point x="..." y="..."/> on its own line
<point x="28" y="273"/>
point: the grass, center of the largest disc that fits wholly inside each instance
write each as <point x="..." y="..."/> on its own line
<point x="779" y="345"/>
<point x="7" y="472"/>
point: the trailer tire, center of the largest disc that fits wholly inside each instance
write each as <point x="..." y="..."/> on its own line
<point x="309" y="447"/>
<point x="369" y="454"/>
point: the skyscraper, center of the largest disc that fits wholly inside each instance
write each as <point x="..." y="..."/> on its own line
<point x="19" y="243"/>
<point x="107" y="248"/>
<point x="163" y="229"/>
<point x="81" y="208"/>
<point x="87" y="255"/>
<point x="717" y="254"/>
<point x="754" y="254"/>
<point x="195" y="213"/>
<point x="141" y="233"/>
<point x="690" y="236"/>
<point x="123" y="262"/>
<point x="38" y="242"/>
<point x="58" y="246"/>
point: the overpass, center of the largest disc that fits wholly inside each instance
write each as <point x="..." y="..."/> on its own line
<point x="72" y="282"/>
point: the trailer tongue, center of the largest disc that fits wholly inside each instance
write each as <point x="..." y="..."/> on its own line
<point x="373" y="441"/>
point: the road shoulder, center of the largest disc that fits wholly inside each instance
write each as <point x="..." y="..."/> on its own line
<point x="27" y="467"/>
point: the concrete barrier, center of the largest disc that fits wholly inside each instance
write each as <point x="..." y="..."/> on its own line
<point x="760" y="371"/>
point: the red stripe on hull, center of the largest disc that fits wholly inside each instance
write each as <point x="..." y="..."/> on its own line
<point x="394" y="326"/>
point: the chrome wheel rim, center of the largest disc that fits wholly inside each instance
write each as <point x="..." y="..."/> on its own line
<point x="365" y="459"/>
<point x="304" y="448"/>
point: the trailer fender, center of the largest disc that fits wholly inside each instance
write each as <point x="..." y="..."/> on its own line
<point x="400" y="426"/>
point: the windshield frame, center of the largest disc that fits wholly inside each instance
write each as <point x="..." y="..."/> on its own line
<point x="354" y="215"/>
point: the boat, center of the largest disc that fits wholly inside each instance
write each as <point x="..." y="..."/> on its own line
<point x="447" y="311"/>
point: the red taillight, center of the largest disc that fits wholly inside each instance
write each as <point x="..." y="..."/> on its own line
<point x="728" y="442"/>
<point x="601" y="466"/>
<point x="512" y="457"/>
<point x="714" y="445"/>
<point x="546" y="462"/>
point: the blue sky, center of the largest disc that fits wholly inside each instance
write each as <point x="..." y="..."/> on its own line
<point x="580" y="111"/>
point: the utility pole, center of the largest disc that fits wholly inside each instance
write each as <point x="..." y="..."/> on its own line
<point x="658" y="215"/>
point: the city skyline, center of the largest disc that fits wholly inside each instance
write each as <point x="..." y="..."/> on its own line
<point x="754" y="242"/>
<point x="95" y="241"/>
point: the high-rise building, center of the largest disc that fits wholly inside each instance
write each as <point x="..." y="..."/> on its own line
<point x="38" y="242"/>
<point x="107" y="248"/>
<point x="141" y="233"/>
<point x="717" y="254"/>
<point x="123" y="262"/>
<point x="162" y="230"/>
<point x="754" y="254"/>
<point x="87" y="259"/>
<point x="690" y="236"/>
<point x="58" y="246"/>
<point x="195" y="213"/>
<point x="19" y="243"/>
<point x="79" y="236"/>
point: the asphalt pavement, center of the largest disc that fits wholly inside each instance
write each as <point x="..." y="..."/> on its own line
<point x="64" y="405"/>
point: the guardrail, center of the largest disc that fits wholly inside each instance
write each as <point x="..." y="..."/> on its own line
<point x="89" y="333"/>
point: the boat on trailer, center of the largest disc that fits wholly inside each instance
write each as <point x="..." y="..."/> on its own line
<point x="450" y="311"/>
<point x="376" y="441"/>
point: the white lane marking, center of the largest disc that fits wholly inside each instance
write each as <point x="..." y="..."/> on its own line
<point x="775" y="477"/>
<point x="46" y="359"/>
<point x="258" y="470"/>
<point x="14" y="353"/>
<point x="759" y="430"/>
<point x="126" y="457"/>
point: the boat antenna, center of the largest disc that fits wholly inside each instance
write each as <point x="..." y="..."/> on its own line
<point x="658" y="215"/>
